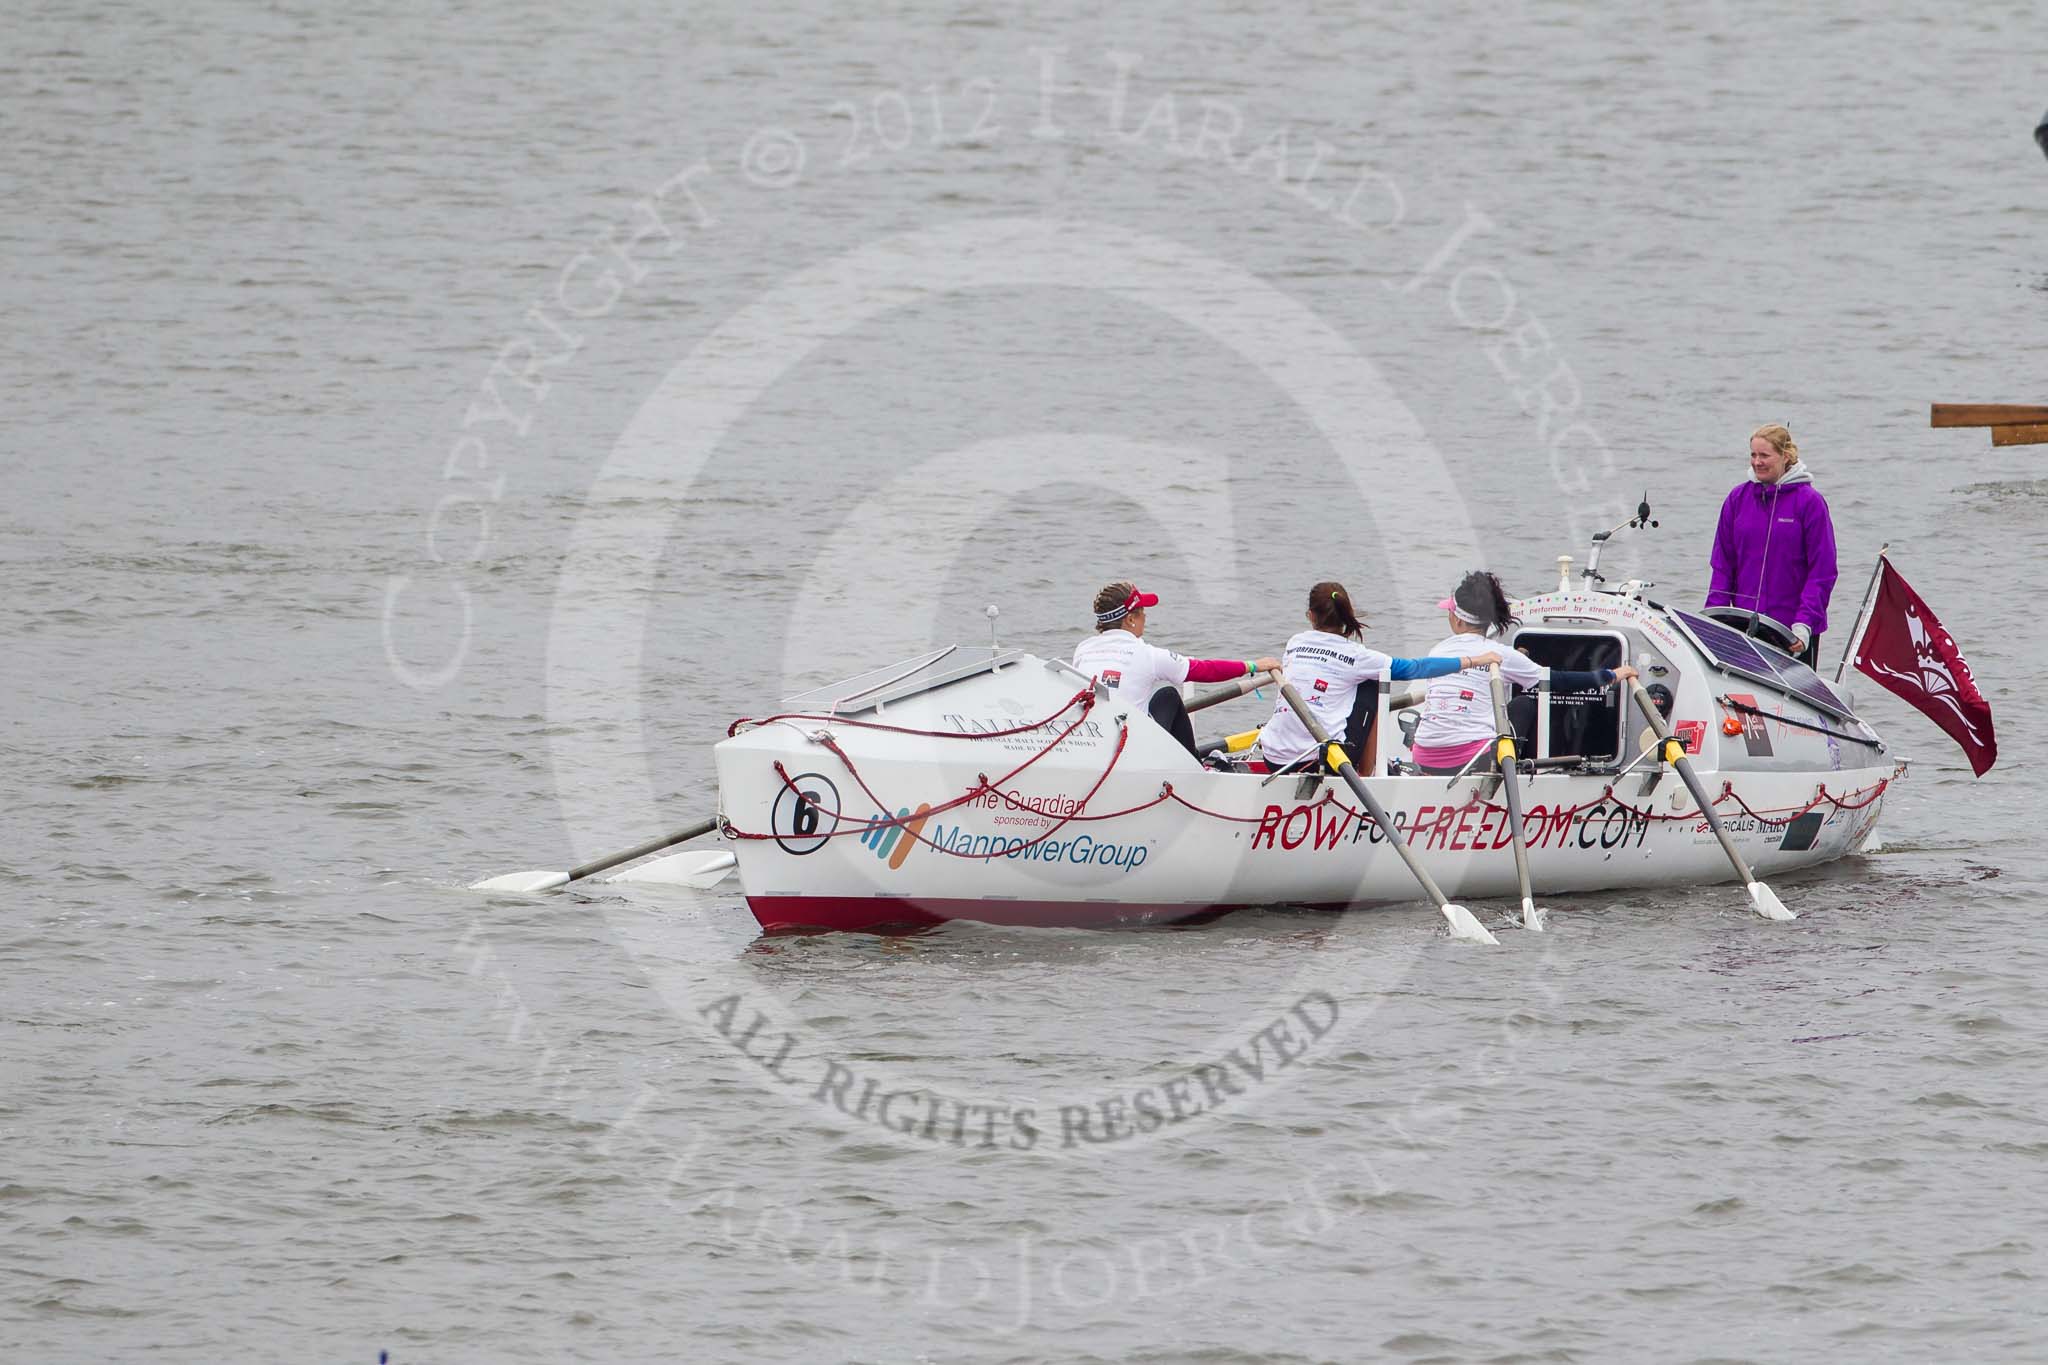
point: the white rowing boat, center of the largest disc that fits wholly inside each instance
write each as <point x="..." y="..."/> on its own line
<point x="1006" y="788"/>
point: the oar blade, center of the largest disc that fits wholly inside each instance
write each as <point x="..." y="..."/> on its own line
<point x="1532" y="918"/>
<point x="522" y="881"/>
<point x="680" y="869"/>
<point x="1464" y="926"/>
<point x="1767" y="903"/>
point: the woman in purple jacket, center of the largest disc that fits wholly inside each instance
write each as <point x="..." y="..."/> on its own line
<point x="1774" y="551"/>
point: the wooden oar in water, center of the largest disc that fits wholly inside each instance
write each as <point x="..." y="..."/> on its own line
<point x="1463" y="925"/>
<point x="2012" y="424"/>
<point x="1762" y="897"/>
<point x="1986" y="414"/>
<point x="1504" y="752"/>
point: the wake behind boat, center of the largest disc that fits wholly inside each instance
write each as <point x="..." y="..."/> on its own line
<point x="1010" y="789"/>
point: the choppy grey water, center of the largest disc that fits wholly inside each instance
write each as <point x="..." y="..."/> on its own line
<point x="365" y="369"/>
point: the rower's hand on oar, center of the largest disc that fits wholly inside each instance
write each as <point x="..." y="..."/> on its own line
<point x="1626" y="673"/>
<point x="1483" y="660"/>
<point x="1267" y="666"/>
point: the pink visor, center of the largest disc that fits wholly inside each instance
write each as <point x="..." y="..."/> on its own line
<point x="1450" y="604"/>
<point x="1137" y="601"/>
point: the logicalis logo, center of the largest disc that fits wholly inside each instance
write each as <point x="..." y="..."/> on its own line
<point x="893" y="839"/>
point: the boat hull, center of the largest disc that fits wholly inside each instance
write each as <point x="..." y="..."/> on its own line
<point x="1108" y="823"/>
<point x="907" y="914"/>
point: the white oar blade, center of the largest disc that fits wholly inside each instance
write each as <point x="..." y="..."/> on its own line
<point x="522" y="881"/>
<point x="681" y="869"/>
<point x="1532" y="918"/>
<point x="1767" y="903"/>
<point x="1464" y="926"/>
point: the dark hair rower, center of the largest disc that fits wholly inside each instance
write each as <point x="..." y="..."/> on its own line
<point x="1481" y="597"/>
<point x="1329" y="607"/>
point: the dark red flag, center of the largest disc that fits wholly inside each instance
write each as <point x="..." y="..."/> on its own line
<point x="1911" y="654"/>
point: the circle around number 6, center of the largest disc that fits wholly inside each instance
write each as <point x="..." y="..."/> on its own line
<point x="805" y="813"/>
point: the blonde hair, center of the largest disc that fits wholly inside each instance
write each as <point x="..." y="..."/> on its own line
<point x="1780" y="437"/>
<point x="1108" y="600"/>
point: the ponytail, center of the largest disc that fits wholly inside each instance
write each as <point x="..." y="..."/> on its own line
<point x="1329" y="606"/>
<point x="1480" y="595"/>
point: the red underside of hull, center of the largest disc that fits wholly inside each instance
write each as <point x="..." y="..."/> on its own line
<point x="897" y="914"/>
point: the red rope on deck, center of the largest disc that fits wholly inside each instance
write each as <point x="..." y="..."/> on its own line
<point x="845" y="825"/>
<point x="1085" y="699"/>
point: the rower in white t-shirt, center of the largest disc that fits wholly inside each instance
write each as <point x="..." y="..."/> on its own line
<point x="1457" y="711"/>
<point x="1142" y="674"/>
<point x="1327" y="665"/>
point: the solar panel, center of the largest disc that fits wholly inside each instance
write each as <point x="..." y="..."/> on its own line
<point x="1803" y="682"/>
<point x="1737" y="653"/>
<point x="1730" y="648"/>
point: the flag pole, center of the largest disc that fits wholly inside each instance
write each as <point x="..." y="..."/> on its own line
<point x="1849" y="647"/>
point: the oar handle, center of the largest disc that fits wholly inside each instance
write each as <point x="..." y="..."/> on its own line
<point x="1201" y="701"/>
<point x="1504" y="742"/>
<point x="1510" y="780"/>
<point x="1674" y="753"/>
<point x="1500" y="697"/>
<point x="610" y="860"/>
<point x="1308" y="717"/>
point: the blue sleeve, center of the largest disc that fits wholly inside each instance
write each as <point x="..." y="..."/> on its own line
<point x="1435" y="666"/>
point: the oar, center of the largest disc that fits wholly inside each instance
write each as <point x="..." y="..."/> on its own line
<point x="681" y="869"/>
<point x="548" y="881"/>
<point x="1228" y="692"/>
<point x="1201" y="701"/>
<point x="1460" y="919"/>
<point x="1762" y="897"/>
<point x="1504" y="750"/>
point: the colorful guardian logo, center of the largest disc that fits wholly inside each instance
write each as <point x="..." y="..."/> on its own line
<point x="892" y="839"/>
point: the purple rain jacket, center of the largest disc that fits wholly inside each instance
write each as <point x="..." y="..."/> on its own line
<point x="1798" y="577"/>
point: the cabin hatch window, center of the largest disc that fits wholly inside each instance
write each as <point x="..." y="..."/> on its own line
<point x="1577" y="724"/>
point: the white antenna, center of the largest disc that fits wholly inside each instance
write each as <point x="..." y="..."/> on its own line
<point x="991" y="613"/>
